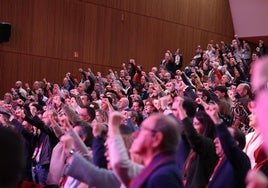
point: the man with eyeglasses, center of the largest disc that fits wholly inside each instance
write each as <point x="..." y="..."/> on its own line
<point x="156" y="143"/>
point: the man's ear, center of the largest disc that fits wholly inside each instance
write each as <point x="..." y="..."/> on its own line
<point x="134" y="119"/>
<point x="237" y="143"/>
<point x="83" y="138"/>
<point x="157" y="139"/>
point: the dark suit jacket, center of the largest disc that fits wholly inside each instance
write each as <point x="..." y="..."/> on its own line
<point x="165" y="176"/>
<point x="233" y="170"/>
<point x="161" y="172"/>
<point x="202" y="164"/>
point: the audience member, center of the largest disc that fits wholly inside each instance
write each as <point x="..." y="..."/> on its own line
<point x="200" y="135"/>
<point x="156" y="143"/>
<point x="233" y="163"/>
<point x="11" y="158"/>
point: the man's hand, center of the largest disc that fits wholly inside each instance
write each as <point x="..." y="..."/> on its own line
<point x="115" y="119"/>
<point x="213" y="111"/>
<point x="177" y="108"/>
<point x="98" y="128"/>
<point x="67" y="143"/>
<point x="114" y="123"/>
<point x="256" y="179"/>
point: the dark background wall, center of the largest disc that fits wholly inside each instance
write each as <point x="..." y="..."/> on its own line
<point x="105" y="33"/>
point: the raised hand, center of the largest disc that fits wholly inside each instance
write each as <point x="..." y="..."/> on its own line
<point x="182" y="86"/>
<point x="98" y="128"/>
<point x="99" y="74"/>
<point x="68" y="74"/>
<point x="67" y="143"/>
<point x="213" y="111"/>
<point x="52" y="117"/>
<point x="65" y="123"/>
<point x="177" y="108"/>
<point x="256" y="179"/>
<point x="115" y="120"/>
<point x="201" y="102"/>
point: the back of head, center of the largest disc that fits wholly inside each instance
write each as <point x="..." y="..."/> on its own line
<point x="207" y="94"/>
<point x="91" y="112"/>
<point x="170" y="130"/>
<point x="247" y="88"/>
<point x="189" y="106"/>
<point x="11" y="158"/>
<point x="85" y="131"/>
<point x="207" y="124"/>
<point x="126" y="133"/>
<point x="222" y="89"/>
<point x="239" y="136"/>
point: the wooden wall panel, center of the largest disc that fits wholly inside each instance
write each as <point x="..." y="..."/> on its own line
<point x="105" y="33"/>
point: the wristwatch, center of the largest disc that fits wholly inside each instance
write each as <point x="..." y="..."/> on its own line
<point x="72" y="151"/>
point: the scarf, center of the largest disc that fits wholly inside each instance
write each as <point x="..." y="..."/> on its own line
<point x="158" y="161"/>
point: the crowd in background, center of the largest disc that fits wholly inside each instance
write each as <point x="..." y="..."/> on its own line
<point x="84" y="107"/>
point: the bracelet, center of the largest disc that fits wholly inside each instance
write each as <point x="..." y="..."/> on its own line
<point x="72" y="151"/>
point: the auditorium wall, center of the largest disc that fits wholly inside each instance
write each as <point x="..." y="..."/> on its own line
<point x="52" y="37"/>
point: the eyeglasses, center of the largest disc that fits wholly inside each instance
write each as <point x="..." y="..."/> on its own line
<point x="148" y="129"/>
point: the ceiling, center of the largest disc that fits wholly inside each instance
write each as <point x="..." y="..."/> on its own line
<point x="249" y="19"/>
